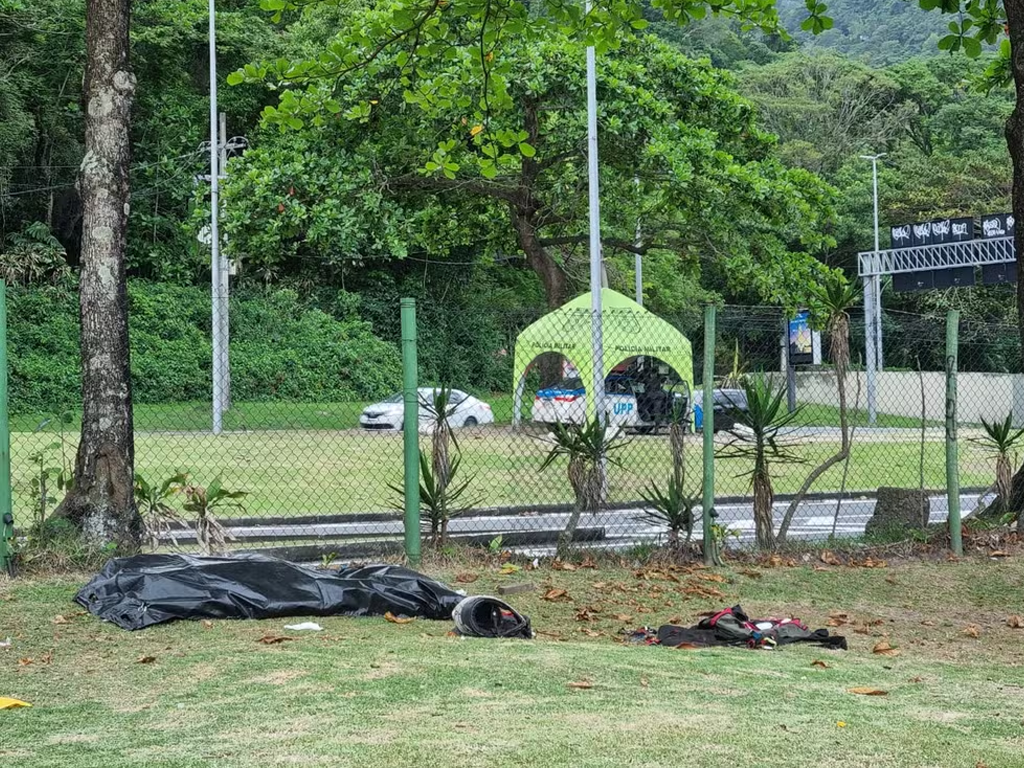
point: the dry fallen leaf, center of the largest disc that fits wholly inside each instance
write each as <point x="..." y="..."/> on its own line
<point x="716" y="577"/>
<point x="1015" y="622"/>
<point x="891" y="580"/>
<point x="46" y="658"/>
<point x="554" y="595"/>
<point x="927" y="623"/>
<point x="869" y="692"/>
<point x="145" y="659"/>
<point x="752" y="574"/>
<point x="829" y="558"/>
<point x="24" y="662"/>
<point x="58" y="619"/>
<point x="917" y="679"/>
<point x="207" y="624"/>
<point x="837" y="619"/>
<point x="820" y="663"/>
<point x="581" y="685"/>
<point x="972" y="630"/>
<point x="882" y="648"/>
<point x="591" y="632"/>
<point x="466" y="578"/>
<point x="558" y="565"/>
<point x="389" y="616"/>
<point x="644" y="682"/>
<point x="625" y="618"/>
<point x="274" y="639"/>
<point x="687" y="647"/>
<point x="586" y="613"/>
<point x="840" y="724"/>
<point x="508" y="569"/>
<point x="677" y="620"/>
<point x="999" y="553"/>
<point x="589" y="563"/>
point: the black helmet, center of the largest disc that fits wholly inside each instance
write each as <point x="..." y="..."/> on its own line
<point x="483" y="616"/>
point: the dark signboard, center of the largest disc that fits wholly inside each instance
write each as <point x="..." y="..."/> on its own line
<point x="997" y="225"/>
<point x="999" y="274"/>
<point x="899" y="236"/>
<point x="941" y="230"/>
<point x="954" y="277"/>
<point x="921" y="233"/>
<point x="913" y="281"/>
<point x="961" y="229"/>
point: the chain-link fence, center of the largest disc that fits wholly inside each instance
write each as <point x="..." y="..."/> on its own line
<point x="312" y="430"/>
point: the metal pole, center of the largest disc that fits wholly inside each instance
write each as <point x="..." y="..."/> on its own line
<point x="638" y="260"/>
<point x="875" y="323"/>
<point x="708" y="513"/>
<point x="6" y="503"/>
<point x="215" y="265"/>
<point x="952" y="453"/>
<point x="869" y="344"/>
<point x="596" y="330"/>
<point x="225" y="288"/>
<point x="410" y="432"/>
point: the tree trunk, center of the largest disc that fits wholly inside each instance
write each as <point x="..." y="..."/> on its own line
<point x="764" y="523"/>
<point x="551" y="277"/>
<point x="101" y="504"/>
<point x="1015" y="143"/>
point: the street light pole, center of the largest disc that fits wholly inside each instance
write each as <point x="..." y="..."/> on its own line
<point x="596" y="330"/>
<point x="876" y="279"/>
<point x="215" y="263"/>
<point x="638" y="260"/>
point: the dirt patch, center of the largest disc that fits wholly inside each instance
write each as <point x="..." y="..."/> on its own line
<point x="279" y="677"/>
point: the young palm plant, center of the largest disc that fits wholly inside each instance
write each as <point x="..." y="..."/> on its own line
<point x="836" y="296"/>
<point x="204" y="503"/>
<point x="763" y="441"/>
<point x="588" y="448"/>
<point x="999" y="441"/>
<point x="442" y="500"/>
<point x="159" y="518"/>
<point x="672" y="508"/>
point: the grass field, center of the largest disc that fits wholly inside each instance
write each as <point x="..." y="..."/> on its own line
<point x="308" y="459"/>
<point x="369" y="694"/>
<point x="294" y="472"/>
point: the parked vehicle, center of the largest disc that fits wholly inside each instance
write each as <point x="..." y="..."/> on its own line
<point x="632" y="401"/>
<point x="727" y="402"/>
<point x="389" y="414"/>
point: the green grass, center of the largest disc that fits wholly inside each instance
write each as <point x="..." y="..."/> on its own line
<point x="371" y="694"/>
<point x="297" y="472"/>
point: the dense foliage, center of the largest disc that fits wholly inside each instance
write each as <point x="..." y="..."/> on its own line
<point x="283" y="348"/>
<point x="749" y="181"/>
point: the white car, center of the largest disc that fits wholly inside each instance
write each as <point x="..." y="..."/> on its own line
<point x="465" y="411"/>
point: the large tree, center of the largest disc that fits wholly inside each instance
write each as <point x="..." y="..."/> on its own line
<point x="437" y="166"/>
<point x="101" y="503"/>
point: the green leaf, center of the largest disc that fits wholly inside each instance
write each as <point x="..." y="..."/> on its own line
<point x="972" y="47"/>
<point x="639" y="24"/>
<point x="527" y="149"/>
<point x="235" y="78"/>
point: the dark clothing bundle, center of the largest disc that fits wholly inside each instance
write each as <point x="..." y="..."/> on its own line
<point x="732" y="627"/>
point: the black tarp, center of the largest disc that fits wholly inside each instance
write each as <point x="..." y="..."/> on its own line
<point x="137" y="592"/>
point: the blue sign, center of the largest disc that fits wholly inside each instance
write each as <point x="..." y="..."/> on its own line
<point x="801" y="339"/>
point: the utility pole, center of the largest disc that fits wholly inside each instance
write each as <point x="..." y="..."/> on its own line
<point x="873" y="308"/>
<point x="876" y="288"/>
<point x="216" y="282"/>
<point x="596" y="330"/>
<point x="225" y="289"/>
<point x="638" y="260"/>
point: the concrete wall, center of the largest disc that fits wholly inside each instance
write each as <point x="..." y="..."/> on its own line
<point x="988" y="395"/>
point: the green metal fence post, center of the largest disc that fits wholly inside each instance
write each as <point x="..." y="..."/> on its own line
<point x="411" y="433"/>
<point x="6" y="505"/>
<point x="708" y="513"/>
<point x="952" y="454"/>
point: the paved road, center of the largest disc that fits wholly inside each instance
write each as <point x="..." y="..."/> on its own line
<point x="813" y="521"/>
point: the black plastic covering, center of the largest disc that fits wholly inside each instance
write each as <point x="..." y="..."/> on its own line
<point x="137" y="592"/>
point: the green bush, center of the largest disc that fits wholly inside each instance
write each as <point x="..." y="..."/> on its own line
<point x="281" y="348"/>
